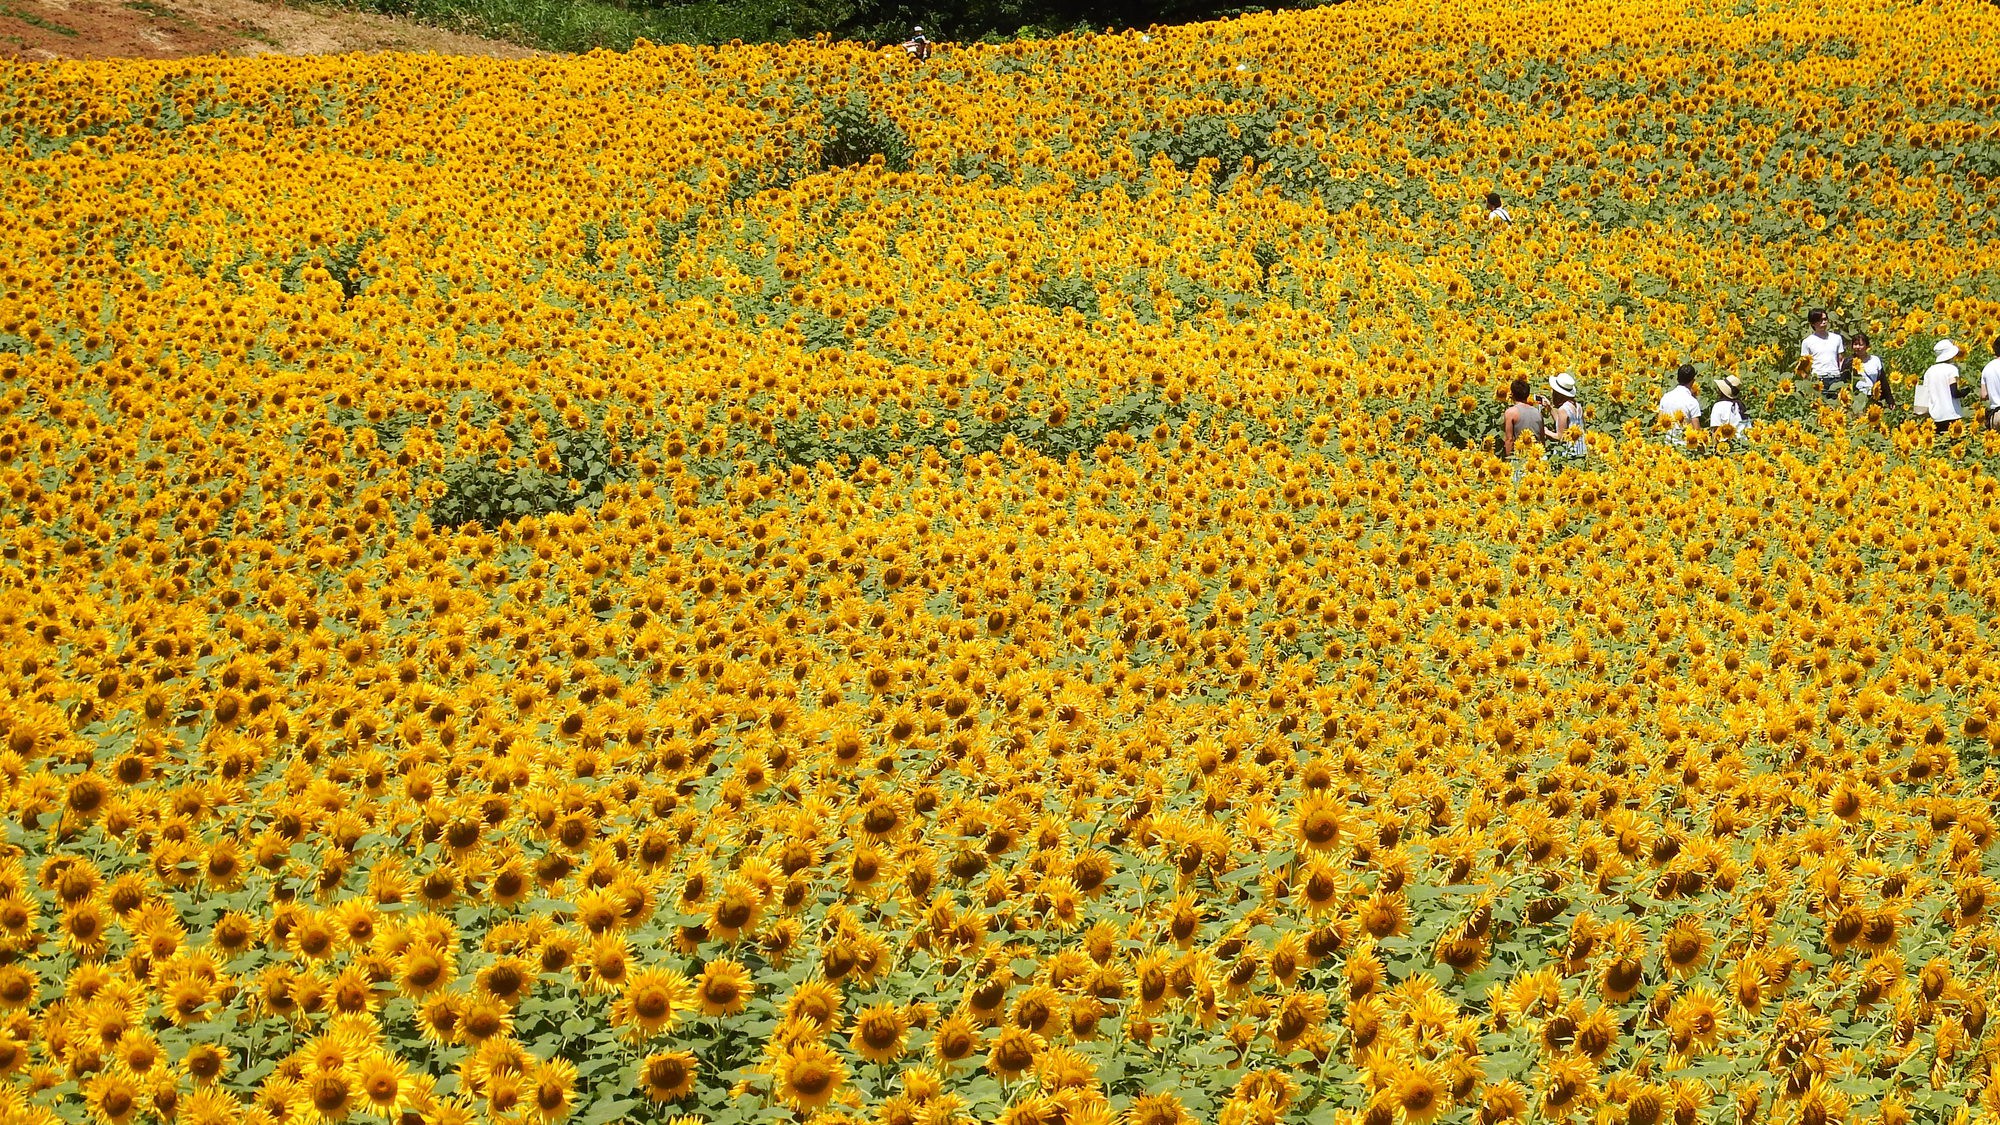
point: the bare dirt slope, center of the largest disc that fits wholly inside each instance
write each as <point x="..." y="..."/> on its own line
<point x="35" y="30"/>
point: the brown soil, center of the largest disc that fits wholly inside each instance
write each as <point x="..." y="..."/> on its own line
<point x="38" y="30"/>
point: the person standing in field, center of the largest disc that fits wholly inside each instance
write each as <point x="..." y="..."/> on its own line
<point x="1566" y="414"/>
<point x="1494" y="211"/>
<point x="1679" y="406"/>
<point x="1938" y="394"/>
<point x="1989" y="388"/>
<point x="1522" y="418"/>
<point x="1825" y="349"/>
<point x="1871" y="373"/>
<point x="1728" y="408"/>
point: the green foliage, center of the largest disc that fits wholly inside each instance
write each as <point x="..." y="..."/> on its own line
<point x="480" y="491"/>
<point x="1059" y="292"/>
<point x="964" y="432"/>
<point x="1230" y="145"/>
<point x="1469" y="421"/>
<point x="854" y="134"/>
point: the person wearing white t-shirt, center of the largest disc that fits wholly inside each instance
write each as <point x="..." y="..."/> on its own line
<point x="1728" y="410"/>
<point x="1871" y="374"/>
<point x="1937" y="395"/>
<point x="1495" y="211"/>
<point x="1989" y="388"/>
<point x="1680" y="406"/>
<point x="1825" y="349"/>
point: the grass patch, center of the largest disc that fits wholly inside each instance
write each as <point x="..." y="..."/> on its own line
<point x="153" y="9"/>
<point x="582" y="25"/>
<point x="33" y="20"/>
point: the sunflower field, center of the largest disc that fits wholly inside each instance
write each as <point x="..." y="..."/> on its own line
<point x="769" y="584"/>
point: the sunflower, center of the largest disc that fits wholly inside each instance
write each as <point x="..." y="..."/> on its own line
<point x="723" y="988"/>
<point x="955" y="1040"/>
<point x="315" y="937"/>
<point x="331" y="1094"/>
<point x="205" y="1063"/>
<point x="814" y="1001"/>
<point x="1385" y="915"/>
<point x="383" y="1082"/>
<point x="605" y="963"/>
<point x="1597" y="1032"/>
<point x="1297" y="1015"/>
<point x="1157" y="1109"/>
<point x="1685" y="947"/>
<point x="113" y="1097"/>
<point x="439" y="1017"/>
<point x="509" y="979"/>
<point x="653" y="1001"/>
<point x="1013" y="1052"/>
<point x="879" y="1033"/>
<point x="1621" y="978"/>
<point x="1318" y="822"/>
<point x="1421" y="1095"/>
<point x="552" y="1090"/>
<point x="1505" y="1100"/>
<point x="668" y="1077"/>
<point x="808" y="1076"/>
<point x="210" y="1106"/>
<point x="84" y="929"/>
<point x="1695" y="1019"/>
<point x="481" y="1018"/>
<point x="1645" y="1105"/>
<point x="735" y="911"/>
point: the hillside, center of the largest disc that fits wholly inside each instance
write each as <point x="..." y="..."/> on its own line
<point x="42" y="30"/>
<point x="775" y="583"/>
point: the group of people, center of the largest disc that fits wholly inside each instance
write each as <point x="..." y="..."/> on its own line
<point x="1832" y="360"/>
<point x="1939" y="394"/>
<point x="1553" y="420"/>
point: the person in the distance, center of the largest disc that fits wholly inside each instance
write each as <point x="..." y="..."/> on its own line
<point x="1989" y="388"/>
<point x="1728" y="408"/>
<point x="1938" y="394"/>
<point x="1680" y="406"/>
<point x="1825" y="349"/>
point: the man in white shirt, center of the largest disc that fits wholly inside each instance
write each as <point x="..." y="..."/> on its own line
<point x="1825" y="349"/>
<point x="1989" y="387"/>
<point x="1680" y="405"/>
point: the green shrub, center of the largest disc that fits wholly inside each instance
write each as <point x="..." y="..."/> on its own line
<point x="1239" y="144"/>
<point x="481" y="492"/>
<point x="855" y="135"/>
<point x="1057" y="293"/>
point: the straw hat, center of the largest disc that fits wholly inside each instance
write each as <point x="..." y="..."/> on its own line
<point x="1727" y="386"/>
<point x="1564" y="384"/>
